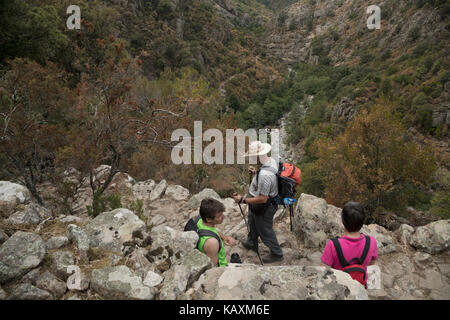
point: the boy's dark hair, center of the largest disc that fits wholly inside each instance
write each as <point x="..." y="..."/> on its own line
<point x="353" y="216"/>
<point x="210" y="207"/>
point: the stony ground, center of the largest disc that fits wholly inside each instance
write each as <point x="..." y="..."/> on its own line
<point x="125" y="254"/>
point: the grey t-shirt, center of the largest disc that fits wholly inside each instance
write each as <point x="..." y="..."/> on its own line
<point x="267" y="182"/>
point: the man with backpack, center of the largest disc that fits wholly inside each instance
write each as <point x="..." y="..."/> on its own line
<point x="262" y="207"/>
<point x="353" y="252"/>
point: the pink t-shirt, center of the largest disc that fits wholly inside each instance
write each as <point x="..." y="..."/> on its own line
<point x="351" y="248"/>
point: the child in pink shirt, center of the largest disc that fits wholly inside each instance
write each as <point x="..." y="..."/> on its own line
<point x="353" y="242"/>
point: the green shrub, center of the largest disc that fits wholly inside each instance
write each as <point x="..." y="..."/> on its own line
<point x="414" y="34"/>
<point x="440" y="204"/>
<point x="312" y="180"/>
<point x="138" y="208"/>
<point x="102" y="203"/>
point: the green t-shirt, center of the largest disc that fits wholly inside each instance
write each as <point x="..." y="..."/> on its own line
<point x="221" y="256"/>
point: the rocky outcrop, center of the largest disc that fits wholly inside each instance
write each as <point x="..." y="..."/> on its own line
<point x="60" y="261"/>
<point x="19" y="254"/>
<point x="27" y="291"/>
<point x="250" y="282"/>
<point x="432" y="238"/>
<point x="177" y="193"/>
<point x="117" y="256"/>
<point x="158" y="190"/>
<point x="31" y="214"/>
<point x="110" y="230"/>
<point x="120" y="283"/>
<point x="48" y="282"/>
<point x="12" y="195"/>
<point x="315" y="222"/>
<point x="195" y="201"/>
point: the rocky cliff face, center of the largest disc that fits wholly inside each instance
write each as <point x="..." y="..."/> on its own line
<point x="341" y="27"/>
<point x="144" y="254"/>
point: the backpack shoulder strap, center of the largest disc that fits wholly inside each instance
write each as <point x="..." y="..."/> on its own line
<point x="365" y="251"/>
<point x="339" y="253"/>
<point x="197" y="219"/>
<point x="209" y="233"/>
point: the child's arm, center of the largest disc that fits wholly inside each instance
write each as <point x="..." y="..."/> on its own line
<point x="211" y="248"/>
<point x="327" y="256"/>
<point x="227" y="239"/>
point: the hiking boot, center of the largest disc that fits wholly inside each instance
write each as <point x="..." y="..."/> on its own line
<point x="272" y="258"/>
<point x="249" y="245"/>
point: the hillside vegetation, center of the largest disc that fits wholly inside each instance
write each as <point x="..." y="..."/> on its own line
<point x="367" y="108"/>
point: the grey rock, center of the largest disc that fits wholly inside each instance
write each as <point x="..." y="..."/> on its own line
<point x="315" y="258"/>
<point x="421" y="258"/>
<point x="315" y="222"/>
<point x="11" y="195"/>
<point x="405" y="232"/>
<point x="185" y="242"/>
<point x="101" y="172"/>
<point x="385" y="241"/>
<point x="138" y="262"/>
<point x="431" y="279"/>
<point x="152" y="279"/>
<point x="143" y="189"/>
<point x="432" y="238"/>
<point x="109" y="230"/>
<point x="77" y="236"/>
<point x="157" y="220"/>
<point x="27" y="291"/>
<point x="78" y="281"/>
<point x="3" y="236"/>
<point x="32" y="276"/>
<point x="57" y="242"/>
<point x="71" y="219"/>
<point x="32" y="214"/>
<point x="175" y="282"/>
<point x="251" y="282"/>
<point x="61" y="260"/>
<point x="195" y="201"/>
<point x="158" y="191"/>
<point x="163" y="236"/>
<point x="230" y="206"/>
<point x="20" y="253"/>
<point x="177" y="193"/>
<point x="120" y="283"/>
<point x="2" y="294"/>
<point x="48" y="282"/>
<point x="198" y="263"/>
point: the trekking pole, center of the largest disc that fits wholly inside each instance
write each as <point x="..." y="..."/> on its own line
<point x="290" y="202"/>
<point x="291" y="216"/>
<point x="243" y="216"/>
<point x="248" y="228"/>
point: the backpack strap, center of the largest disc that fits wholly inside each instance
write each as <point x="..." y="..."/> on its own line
<point x="339" y="253"/>
<point x="365" y="251"/>
<point x="209" y="233"/>
<point x="272" y="200"/>
<point x="197" y="219"/>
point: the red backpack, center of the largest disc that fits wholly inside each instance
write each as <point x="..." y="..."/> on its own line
<point x="355" y="267"/>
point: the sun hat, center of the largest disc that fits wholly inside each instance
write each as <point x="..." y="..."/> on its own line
<point x="257" y="148"/>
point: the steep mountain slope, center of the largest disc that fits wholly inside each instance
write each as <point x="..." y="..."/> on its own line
<point x="341" y="69"/>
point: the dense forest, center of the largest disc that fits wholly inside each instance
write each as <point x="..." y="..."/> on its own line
<point x="365" y="107"/>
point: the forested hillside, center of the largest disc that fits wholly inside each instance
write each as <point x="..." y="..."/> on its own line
<point x="66" y="94"/>
<point x="369" y="109"/>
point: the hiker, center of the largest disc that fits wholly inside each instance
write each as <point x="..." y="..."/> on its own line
<point x="352" y="251"/>
<point x="261" y="204"/>
<point x="211" y="213"/>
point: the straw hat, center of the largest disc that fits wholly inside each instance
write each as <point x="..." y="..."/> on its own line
<point x="257" y="148"/>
